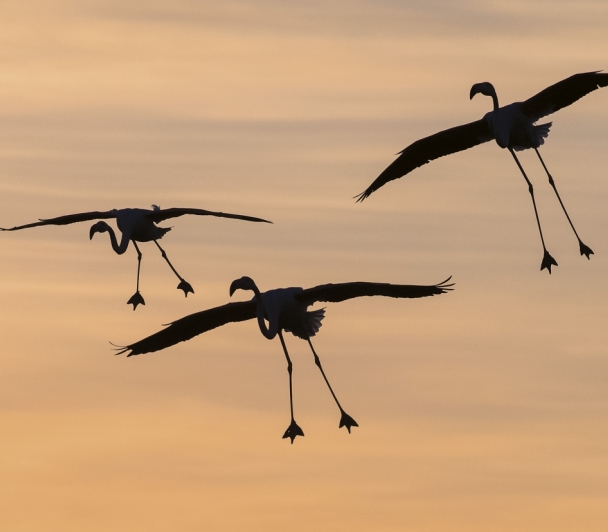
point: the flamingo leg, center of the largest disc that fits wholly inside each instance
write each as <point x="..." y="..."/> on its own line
<point x="585" y="250"/>
<point x="139" y="255"/>
<point x="136" y="298"/>
<point x="293" y="430"/>
<point x="345" y="420"/>
<point x="183" y="284"/>
<point x="548" y="260"/>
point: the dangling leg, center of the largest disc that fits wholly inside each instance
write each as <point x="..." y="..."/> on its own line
<point x="585" y="250"/>
<point x="136" y="298"/>
<point x="183" y="284"/>
<point x="293" y="430"/>
<point x="345" y="420"/>
<point x="548" y="260"/>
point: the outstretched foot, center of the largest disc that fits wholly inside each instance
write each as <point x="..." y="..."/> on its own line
<point x="585" y="250"/>
<point x="292" y="431"/>
<point x="548" y="261"/>
<point x="186" y="287"/>
<point x="347" y="421"/>
<point x="136" y="299"/>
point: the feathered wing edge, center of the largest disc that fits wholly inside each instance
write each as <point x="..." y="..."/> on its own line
<point x="67" y="219"/>
<point x="563" y="93"/>
<point x="314" y="320"/>
<point x="334" y="293"/>
<point x="312" y="324"/>
<point x="190" y="326"/>
<point x="422" y="151"/>
<point x="174" y="212"/>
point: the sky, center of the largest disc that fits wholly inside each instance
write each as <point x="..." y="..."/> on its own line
<point x="482" y="409"/>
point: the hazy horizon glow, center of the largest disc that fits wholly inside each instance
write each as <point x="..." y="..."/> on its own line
<point x="482" y="409"/>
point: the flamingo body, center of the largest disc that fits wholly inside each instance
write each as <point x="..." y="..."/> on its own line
<point x="510" y="127"/>
<point x="284" y="312"/>
<point x="285" y="309"/>
<point x="135" y="225"/>
<point x="513" y="127"/>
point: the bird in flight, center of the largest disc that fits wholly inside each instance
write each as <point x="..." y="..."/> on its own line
<point x="285" y="309"/>
<point x="513" y="127"/>
<point x="135" y="225"/>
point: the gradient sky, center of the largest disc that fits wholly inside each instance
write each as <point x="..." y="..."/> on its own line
<point x="483" y="409"/>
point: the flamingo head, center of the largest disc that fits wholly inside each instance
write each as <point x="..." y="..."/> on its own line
<point x="99" y="227"/>
<point x="485" y="88"/>
<point x="244" y="283"/>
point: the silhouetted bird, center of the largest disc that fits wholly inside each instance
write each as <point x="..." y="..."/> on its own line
<point x="512" y="126"/>
<point x="136" y="225"/>
<point x="285" y="309"/>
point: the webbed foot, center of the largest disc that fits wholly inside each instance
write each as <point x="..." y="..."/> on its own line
<point x="547" y="262"/>
<point x="186" y="287"/>
<point x="585" y="250"/>
<point x="292" y="431"/>
<point x="136" y="299"/>
<point x="347" y="421"/>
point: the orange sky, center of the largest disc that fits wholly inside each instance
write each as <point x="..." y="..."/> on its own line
<point x="483" y="409"/>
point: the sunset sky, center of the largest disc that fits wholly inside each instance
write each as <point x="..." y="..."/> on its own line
<point x="485" y="409"/>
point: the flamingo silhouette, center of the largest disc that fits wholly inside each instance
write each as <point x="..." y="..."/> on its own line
<point x="285" y="309"/>
<point x="136" y="225"/>
<point x="512" y="127"/>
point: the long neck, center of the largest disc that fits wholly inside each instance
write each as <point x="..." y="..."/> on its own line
<point x="494" y="100"/>
<point x="271" y="332"/>
<point x="124" y="243"/>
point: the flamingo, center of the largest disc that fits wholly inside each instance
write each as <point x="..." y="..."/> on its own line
<point x="285" y="309"/>
<point x="136" y="225"/>
<point x="513" y="127"/>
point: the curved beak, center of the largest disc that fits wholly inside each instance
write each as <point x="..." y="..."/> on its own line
<point x="474" y="91"/>
<point x="98" y="227"/>
<point x="244" y="283"/>
<point x="234" y="286"/>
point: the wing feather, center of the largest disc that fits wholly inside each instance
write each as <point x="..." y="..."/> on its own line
<point x="422" y="151"/>
<point x="67" y="219"/>
<point x="192" y="325"/>
<point x="563" y="93"/>
<point x="165" y="214"/>
<point x="334" y="293"/>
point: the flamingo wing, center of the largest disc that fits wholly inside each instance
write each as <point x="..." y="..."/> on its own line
<point x="165" y="214"/>
<point x="422" y="151"/>
<point x="192" y="325"/>
<point x="67" y="219"/>
<point x="334" y="293"/>
<point x="563" y="93"/>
